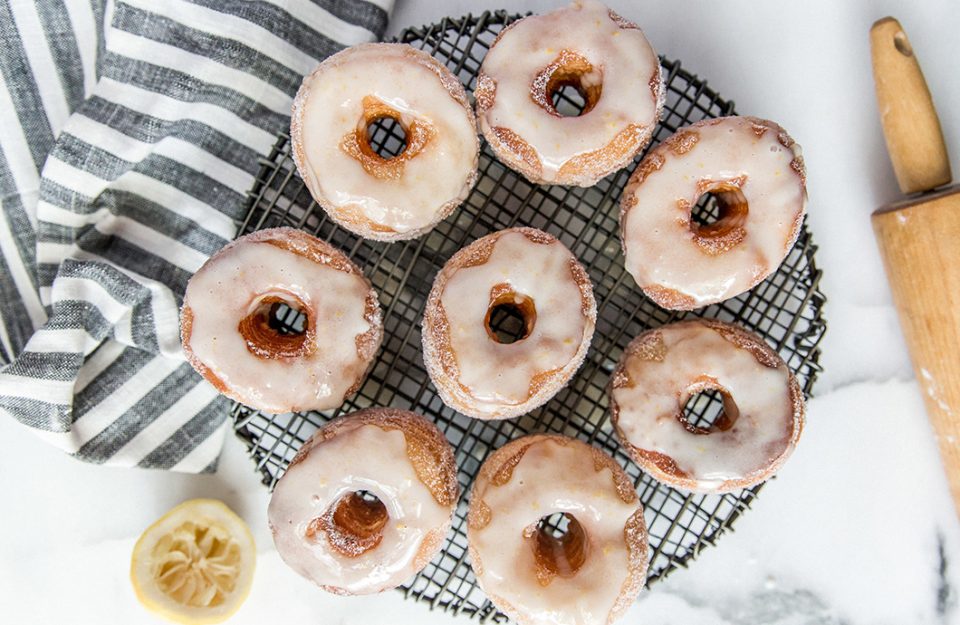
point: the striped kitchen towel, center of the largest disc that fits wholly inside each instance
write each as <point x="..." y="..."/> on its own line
<point x="129" y="134"/>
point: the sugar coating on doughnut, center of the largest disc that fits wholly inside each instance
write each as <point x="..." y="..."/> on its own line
<point x="534" y="477"/>
<point x="662" y="368"/>
<point x="474" y="373"/>
<point x="343" y="333"/>
<point x="682" y="267"/>
<point x="396" y="455"/>
<point x="615" y="66"/>
<point x="378" y="198"/>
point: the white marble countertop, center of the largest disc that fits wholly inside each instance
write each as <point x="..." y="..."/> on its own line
<point x="858" y="528"/>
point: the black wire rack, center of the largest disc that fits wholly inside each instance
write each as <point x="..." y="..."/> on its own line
<point x="785" y="309"/>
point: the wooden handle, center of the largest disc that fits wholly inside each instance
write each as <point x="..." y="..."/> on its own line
<point x="920" y="245"/>
<point x="910" y="122"/>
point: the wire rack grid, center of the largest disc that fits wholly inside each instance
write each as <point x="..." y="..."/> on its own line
<point x="785" y="309"/>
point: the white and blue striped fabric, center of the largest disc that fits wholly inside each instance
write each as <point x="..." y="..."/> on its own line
<point x="129" y="136"/>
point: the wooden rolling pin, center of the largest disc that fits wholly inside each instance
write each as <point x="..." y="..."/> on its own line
<point x="919" y="237"/>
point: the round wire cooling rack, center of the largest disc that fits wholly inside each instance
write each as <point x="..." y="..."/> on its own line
<point x="785" y="309"/>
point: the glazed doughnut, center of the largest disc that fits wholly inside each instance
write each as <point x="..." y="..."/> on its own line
<point x="228" y="336"/>
<point x="366" y="502"/>
<point x="532" y="273"/>
<point x="588" y="47"/>
<point x="387" y="199"/>
<point x="587" y="576"/>
<point x="763" y="408"/>
<point x="754" y="170"/>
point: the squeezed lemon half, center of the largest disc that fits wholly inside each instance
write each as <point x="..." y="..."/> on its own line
<point x="195" y="564"/>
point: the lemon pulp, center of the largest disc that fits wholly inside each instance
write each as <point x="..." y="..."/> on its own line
<point x="195" y="564"/>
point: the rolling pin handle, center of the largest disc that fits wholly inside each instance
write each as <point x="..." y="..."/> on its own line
<point x="909" y="118"/>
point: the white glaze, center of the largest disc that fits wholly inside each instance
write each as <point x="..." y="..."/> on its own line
<point x="329" y="107"/>
<point x="625" y="59"/>
<point x="660" y="247"/>
<point x="499" y="375"/>
<point x="228" y="287"/>
<point x="551" y="478"/>
<point x="359" y="457"/>
<point x="761" y="438"/>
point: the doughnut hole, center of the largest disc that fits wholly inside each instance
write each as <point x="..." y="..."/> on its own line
<point x="384" y="139"/>
<point x="286" y="319"/>
<point x="278" y="326"/>
<point x="569" y="99"/>
<point x="719" y="210"/>
<point x="571" y="86"/>
<point x="708" y="407"/>
<point x="559" y="546"/>
<point x="386" y="136"/>
<point x="510" y="316"/>
<point x="353" y="525"/>
<point x="718" y="217"/>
